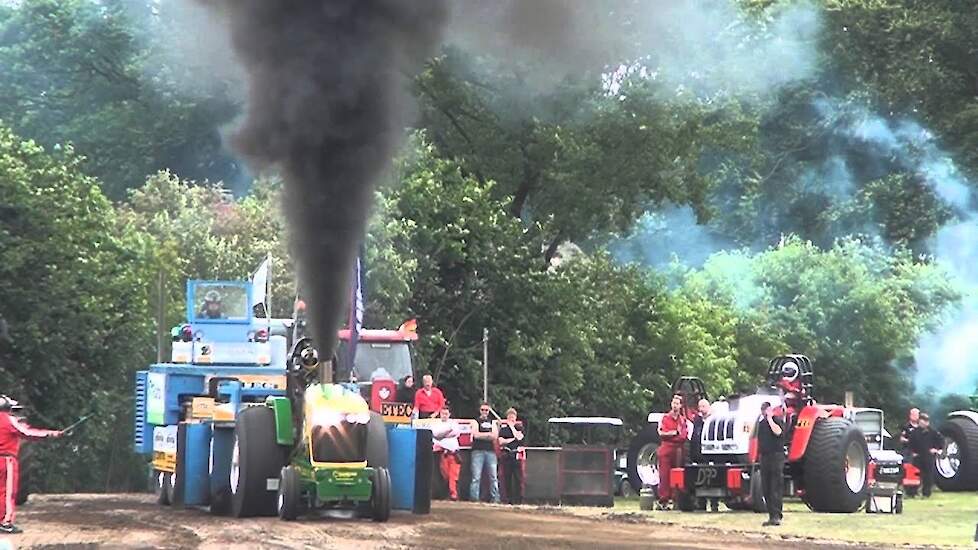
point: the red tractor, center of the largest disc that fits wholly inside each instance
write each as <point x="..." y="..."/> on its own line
<point x="827" y="463"/>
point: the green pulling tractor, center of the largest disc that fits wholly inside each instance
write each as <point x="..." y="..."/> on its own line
<point x="332" y="449"/>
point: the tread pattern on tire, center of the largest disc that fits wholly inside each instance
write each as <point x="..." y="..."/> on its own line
<point x="965" y="433"/>
<point x="826" y="489"/>
<point x="380" y="500"/>
<point x="259" y="458"/>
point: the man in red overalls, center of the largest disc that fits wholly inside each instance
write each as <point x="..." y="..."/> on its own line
<point x="672" y="432"/>
<point x="12" y="430"/>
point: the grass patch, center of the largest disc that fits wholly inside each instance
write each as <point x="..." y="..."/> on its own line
<point x="945" y="520"/>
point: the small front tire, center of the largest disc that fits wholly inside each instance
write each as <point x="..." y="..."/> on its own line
<point x="380" y="495"/>
<point x="289" y="494"/>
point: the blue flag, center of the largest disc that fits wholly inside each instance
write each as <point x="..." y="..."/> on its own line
<point x="356" y="311"/>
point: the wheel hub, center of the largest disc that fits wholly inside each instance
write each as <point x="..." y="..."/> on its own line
<point x="855" y="467"/>
<point x="235" y="471"/>
<point x="949" y="461"/>
<point x="648" y="464"/>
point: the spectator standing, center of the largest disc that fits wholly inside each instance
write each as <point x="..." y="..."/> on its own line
<point x="428" y="401"/>
<point x="406" y="390"/>
<point x="672" y="433"/>
<point x="913" y="418"/>
<point x="484" y="455"/>
<point x="770" y="442"/>
<point x="510" y="439"/>
<point x="445" y="441"/>
<point x="925" y="444"/>
<point x="696" y="447"/>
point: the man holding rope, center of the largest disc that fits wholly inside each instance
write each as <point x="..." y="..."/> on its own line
<point x="12" y="431"/>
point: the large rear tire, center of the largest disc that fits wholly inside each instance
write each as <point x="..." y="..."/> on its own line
<point x="380" y="495"/>
<point x="256" y="458"/>
<point x="377" y="450"/>
<point x="836" y="464"/>
<point x="957" y="468"/>
<point x="643" y="465"/>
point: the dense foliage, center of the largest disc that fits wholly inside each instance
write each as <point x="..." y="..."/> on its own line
<point x="808" y="211"/>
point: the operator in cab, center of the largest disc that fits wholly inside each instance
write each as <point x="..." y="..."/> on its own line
<point x="213" y="309"/>
<point x="770" y="443"/>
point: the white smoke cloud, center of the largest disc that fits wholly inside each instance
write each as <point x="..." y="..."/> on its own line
<point x="711" y="48"/>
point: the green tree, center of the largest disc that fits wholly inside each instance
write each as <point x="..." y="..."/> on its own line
<point x="855" y="309"/>
<point x="85" y="72"/>
<point x="73" y="289"/>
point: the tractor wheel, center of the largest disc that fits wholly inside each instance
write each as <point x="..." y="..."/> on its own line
<point x="957" y="467"/>
<point x="220" y="496"/>
<point x="170" y="487"/>
<point x="256" y="459"/>
<point x="377" y="451"/>
<point x="835" y="466"/>
<point x="380" y="495"/>
<point x="898" y="505"/>
<point x="162" y="480"/>
<point x="289" y="494"/>
<point x="625" y="489"/>
<point x="756" y="500"/>
<point x="643" y="464"/>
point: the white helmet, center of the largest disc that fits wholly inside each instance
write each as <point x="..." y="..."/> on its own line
<point x="8" y="403"/>
<point x="789" y="371"/>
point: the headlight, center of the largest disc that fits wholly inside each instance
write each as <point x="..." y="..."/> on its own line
<point x="326" y="418"/>
<point x="358" y="418"/>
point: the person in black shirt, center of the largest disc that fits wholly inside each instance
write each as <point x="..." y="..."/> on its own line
<point x="696" y="448"/>
<point x="483" y="455"/>
<point x="770" y="440"/>
<point x="406" y="389"/>
<point x="510" y="439"/>
<point x="925" y="444"/>
<point x="912" y="419"/>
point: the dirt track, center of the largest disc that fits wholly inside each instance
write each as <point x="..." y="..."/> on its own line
<point x="135" y="521"/>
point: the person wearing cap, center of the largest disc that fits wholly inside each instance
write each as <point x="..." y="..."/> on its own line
<point x="770" y="443"/>
<point x="212" y="305"/>
<point x="925" y="444"/>
<point x="12" y="431"/>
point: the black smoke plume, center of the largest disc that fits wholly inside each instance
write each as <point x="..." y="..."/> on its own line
<point x="327" y="104"/>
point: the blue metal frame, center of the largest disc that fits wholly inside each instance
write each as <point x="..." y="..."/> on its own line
<point x="192" y="315"/>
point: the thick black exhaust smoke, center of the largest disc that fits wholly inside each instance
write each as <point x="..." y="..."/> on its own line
<point x="327" y="103"/>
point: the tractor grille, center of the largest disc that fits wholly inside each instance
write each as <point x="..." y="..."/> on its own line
<point x="142" y="432"/>
<point x="719" y="429"/>
<point x="344" y="442"/>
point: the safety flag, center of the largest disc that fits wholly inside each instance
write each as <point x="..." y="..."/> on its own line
<point x="356" y="311"/>
<point x="260" y="290"/>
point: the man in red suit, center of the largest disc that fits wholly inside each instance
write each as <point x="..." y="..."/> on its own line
<point x="12" y="431"/>
<point x="672" y="432"/>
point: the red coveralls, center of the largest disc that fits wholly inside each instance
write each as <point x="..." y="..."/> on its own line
<point x="670" y="452"/>
<point x="12" y="430"/>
